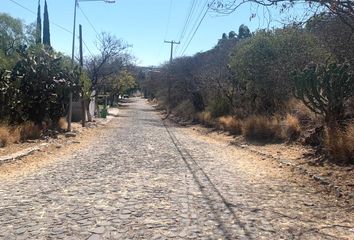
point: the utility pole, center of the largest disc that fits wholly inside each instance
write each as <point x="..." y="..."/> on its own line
<point x="169" y="79"/>
<point x="172" y="43"/>
<point x="76" y="2"/>
<point x="83" y="107"/>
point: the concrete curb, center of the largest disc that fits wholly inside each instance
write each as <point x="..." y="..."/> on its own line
<point x="22" y="153"/>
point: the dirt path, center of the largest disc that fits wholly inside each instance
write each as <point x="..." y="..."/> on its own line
<point x="141" y="179"/>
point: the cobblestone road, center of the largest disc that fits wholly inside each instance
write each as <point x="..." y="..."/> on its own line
<point x="141" y="180"/>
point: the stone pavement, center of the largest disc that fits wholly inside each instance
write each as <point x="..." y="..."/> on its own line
<point x="143" y="180"/>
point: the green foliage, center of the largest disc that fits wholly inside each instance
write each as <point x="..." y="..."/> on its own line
<point x="325" y="88"/>
<point x="11" y="32"/>
<point x="39" y="25"/>
<point x="122" y="83"/>
<point x="244" y="32"/>
<point x="104" y="112"/>
<point x="46" y="30"/>
<point x="262" y="66"/>
<point x="86" y="85"/>
<point x="12" y="37"/>
<point x="219" y="107"/>
<point x="232" y="34"/>
<point x="37" y="87"/>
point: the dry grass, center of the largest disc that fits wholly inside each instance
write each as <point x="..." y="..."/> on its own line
<point x="205" y="118"/>
<point x="299" y="110"/>
<point x="292" y="129"/>
<point x="340" y="145"/>
<point x="29" y="131"/>
<point x="4" y="136"/>
<point x="262" y="128"/>
<point x="231" y="124"/>
<point x="62" y="123"/>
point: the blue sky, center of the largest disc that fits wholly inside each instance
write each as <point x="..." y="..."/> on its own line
<point x="144" y="24"/>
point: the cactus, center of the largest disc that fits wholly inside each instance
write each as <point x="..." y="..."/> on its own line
<point x="324" y="88"/>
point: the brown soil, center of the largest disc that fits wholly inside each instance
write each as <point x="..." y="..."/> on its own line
<point x="296" y="154"/>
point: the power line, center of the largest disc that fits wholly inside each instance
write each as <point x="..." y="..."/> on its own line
<point x="201" y="20"/>
<point x="201" y="6"/>
<point x="187" y="21"/>
<point x="31" y="11"/>
<point x="23" y="6"/>
<point x="167" y="27"/>
<point x="88" y="20"/>
<point x="55" y="24"/>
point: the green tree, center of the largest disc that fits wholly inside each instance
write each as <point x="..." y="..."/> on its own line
<point x="121" y="83"/>
<point x="344" y="9"/>
<point x="39" y="25"/>
<point x="244" y="32"/>
<point x="263" y="64"/>
<point x="46" y="29"/>
<point x="39" y="86"/>
<point x="232" y="34"/>
<point x="12" y="37"/>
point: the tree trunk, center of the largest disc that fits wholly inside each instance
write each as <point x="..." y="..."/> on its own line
<point x="83" y="109"/>
<point x="87" y="105"/>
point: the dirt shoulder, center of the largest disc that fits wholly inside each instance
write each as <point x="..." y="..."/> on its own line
<point x="54" y="150"/>
<point x="293" y="160"/>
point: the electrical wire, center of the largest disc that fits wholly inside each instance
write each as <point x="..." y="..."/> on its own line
<point x="189" y="15"/>
<point x="55" y="24"/>
<point x="199" y="24"/>
<point x="88" y="20"/>
<point x="202" y="7"/>
<point x="167" y="28"/>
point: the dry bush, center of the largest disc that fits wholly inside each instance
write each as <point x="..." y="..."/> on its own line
<point x="262" y="128"/>
<point x="299" y="110"/>
<point x="4" y="136"/>
<point x="16" y="134"/>
<point x="205" y="118"/>
<point x="29" y="131"/>
<point x="185" y="110"/>
<point x="292" y="129"/>
<point x="231" y="124"/>
<point x="62" y="123"/>
<point x="340" y="145"/>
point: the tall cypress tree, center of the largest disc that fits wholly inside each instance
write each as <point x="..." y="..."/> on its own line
<point x="46" y="30"/>
<point x="39" y="25"/>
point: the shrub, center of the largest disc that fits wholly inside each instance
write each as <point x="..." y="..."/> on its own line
<point x="62" y="123"/>
<point x="39" y="85"/>
<point x="340" y="144"/>
<point x="292" y="127"/>
<point x="299" y="110"/>
<point x="4" y="136"/>
<point x="263" y="129"/>
<point x="185" y="110"/>
<point x="219" y="107"/>
<point x="231" y="124"/>
<point x="205" y="118"/>
<point x="29" y="131"/>
<point x="104" y="112"/>
<point x="16" y="134"/>
<point x="324" y="88"/>
<point x="263" y="65"/>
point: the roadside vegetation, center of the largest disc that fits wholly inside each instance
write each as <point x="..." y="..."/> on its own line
<point x="36" y="80"/>
<point x="294" y="83"/>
